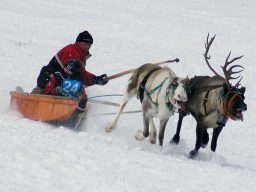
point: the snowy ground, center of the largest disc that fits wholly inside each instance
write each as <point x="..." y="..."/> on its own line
<point x="35" y="156"/>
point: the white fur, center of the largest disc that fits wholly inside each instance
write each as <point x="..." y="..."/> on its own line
<point x="161" y="111"/>
<point x="152" y="132"/>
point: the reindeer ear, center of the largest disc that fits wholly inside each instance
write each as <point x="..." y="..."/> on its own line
<point x="242" y="90"/>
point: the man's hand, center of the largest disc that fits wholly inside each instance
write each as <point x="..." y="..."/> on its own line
<point x="99" y="80"/>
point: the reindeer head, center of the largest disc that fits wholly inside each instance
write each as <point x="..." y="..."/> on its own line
<point x="233" y="103"/>
<point x="178" y="95"/>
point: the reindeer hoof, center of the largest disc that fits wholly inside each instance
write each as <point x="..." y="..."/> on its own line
<point x="110" y="127"/>
<point x="175" y="139"/>
<point x="139" y="136"/>
<point x="203" y="145"/>
<point x="152" y="141"/>
<point x="152" y="138"/>
<point x="193" y="153"/>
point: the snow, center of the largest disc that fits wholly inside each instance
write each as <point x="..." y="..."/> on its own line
<point x="35" y="156"/>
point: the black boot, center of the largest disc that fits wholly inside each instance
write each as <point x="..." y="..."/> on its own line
<point x="78" y="116"/>
<point x="76" y="119"/>
<point x="82" y="104"/>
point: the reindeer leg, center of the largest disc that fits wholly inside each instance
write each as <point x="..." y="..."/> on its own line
<point x="215" y="135"/>
<point x="163" y="123"/>
<point x="142" y="134"/>
<point x="199" y="134"/>
<point x="152" y="132"/>
<point x="112" y="124"/>
<point x="176" y="137"/>
<point x="205" y="139"/>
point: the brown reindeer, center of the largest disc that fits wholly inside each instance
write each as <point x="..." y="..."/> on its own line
<point x="212" y="101"/>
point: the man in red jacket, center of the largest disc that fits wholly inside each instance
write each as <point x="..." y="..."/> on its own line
<point x="80" y="52"/>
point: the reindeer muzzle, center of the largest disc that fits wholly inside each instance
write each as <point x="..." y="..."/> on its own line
<point x="238" y="109"/>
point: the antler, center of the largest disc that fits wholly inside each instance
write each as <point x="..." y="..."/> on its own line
<point x="228" y="73"/>
<point x="206" y="57"/>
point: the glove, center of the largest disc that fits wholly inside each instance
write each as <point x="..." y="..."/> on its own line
<point x="98" y="80"/>
<point x="59" y="89"/>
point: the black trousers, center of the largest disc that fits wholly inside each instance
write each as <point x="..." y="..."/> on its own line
<point x="46" y="71"/>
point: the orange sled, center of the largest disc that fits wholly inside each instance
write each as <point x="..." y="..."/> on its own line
<point x="43" y="107"/>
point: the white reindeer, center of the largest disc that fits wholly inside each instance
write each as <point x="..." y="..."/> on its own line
<point x="161" y="93"/>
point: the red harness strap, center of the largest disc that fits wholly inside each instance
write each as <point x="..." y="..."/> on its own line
<point x="229" y="103"/>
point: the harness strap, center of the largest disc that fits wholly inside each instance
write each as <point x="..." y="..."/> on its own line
<point x="153" y="90"/>
<point x="229" y="103"/>
<point x="205" y="100"/>
<point x="143" y="83"/>
<point x="168" y="103"/>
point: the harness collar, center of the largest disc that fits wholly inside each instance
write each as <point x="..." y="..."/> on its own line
<point x="168" y="103"/>
<point x="227" y="108"/>
<point x="143" y="90"/>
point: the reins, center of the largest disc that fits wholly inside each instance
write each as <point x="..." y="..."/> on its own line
<point x="104" y="102"/>
<point x="77" y="98"/>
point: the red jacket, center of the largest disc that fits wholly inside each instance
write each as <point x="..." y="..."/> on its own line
<point x="50" y="88"/>
<point x="74" y="51"/>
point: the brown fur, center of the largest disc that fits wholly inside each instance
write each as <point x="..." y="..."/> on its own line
<point x="207" y="114"/>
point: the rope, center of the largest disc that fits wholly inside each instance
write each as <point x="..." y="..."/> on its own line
<point x="125" y="112"/>
<point x="76" y="98"/>
<point x="104" y="102"/>
<point x="114" y="95"/>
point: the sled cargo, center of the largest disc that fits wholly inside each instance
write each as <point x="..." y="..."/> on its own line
<point x="43" y="107"/>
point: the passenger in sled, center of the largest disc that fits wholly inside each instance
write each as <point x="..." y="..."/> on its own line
<point x="66" y="75"/>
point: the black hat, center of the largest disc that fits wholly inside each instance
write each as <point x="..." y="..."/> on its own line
<point x="84" y="37"/>
<point x="74" y="65"/>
